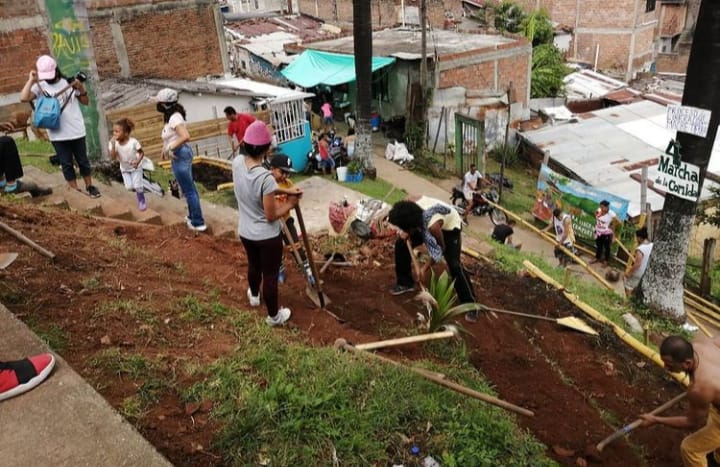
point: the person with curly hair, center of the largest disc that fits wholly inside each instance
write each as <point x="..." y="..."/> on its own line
<point x="438" y="226"/>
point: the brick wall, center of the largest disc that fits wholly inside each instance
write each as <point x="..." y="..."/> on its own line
<point x="20" y="44"/>
<point x="385" y="13"/>
<point x="614" y="51"/>
<point x="672" y="63"/>
<point x="177" y="40"/>
<point x="481" y="75"/>
<point x="672" y="19"/>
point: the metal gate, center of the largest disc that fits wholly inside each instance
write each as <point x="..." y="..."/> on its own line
<point x="469" y="144"/>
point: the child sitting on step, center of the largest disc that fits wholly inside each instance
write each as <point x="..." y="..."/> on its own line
<point x="128" y="152"/>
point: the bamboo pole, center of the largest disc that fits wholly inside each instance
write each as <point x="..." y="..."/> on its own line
<point x="702" y="327"/>
<point x="406" y="340"/>
<point x="620" y="332"/>
<point x="23" y="239"/>
<point x="342" y="343"/>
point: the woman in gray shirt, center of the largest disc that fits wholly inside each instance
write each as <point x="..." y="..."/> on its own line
<point x="259" y="220"/>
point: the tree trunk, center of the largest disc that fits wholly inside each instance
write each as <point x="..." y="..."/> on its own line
<point x="661" y="288"/>
<point x="362" y="36"/>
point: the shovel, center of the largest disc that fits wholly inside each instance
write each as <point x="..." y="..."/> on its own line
<point x="570" y="322"/>
<point x="6" y="259"/>
<point x="313" y="290"/>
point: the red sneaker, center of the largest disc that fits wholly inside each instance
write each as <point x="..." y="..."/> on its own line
<point x="22" y="375"/>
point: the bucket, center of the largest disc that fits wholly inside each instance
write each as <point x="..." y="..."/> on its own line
<point x="375" y="121"/>
<point x="341" y="174"/>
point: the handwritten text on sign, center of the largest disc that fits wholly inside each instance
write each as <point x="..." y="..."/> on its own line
<point x="688" y="119"/>
<point x="681" y="180"/>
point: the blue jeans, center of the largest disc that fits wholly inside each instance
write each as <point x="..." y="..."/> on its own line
<point x="182" y="170"/>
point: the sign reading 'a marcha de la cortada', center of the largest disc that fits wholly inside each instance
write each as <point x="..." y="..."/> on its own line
<point x="682" y="180"/>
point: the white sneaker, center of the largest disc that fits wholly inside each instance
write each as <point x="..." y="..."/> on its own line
<point x="283" y="314"/>
<point x="690" y="327"/>
<point x="254" y="301"/>
<point x="197" y="228"/>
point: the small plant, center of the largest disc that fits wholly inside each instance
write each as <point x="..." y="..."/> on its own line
<point x="355" y="166"/>
<point x="439" y="301"/>
<point x="505" y="152"/>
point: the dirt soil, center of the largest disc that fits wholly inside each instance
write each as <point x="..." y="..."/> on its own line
<point x="581" y="387"/>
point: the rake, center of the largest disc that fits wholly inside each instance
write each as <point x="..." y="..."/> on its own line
<point x="568" y="322"/>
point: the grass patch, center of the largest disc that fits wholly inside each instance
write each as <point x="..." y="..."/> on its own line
<point x="521" y="198"/>
<point x="122" y="363"/>
<point x="293" y="405"/>
<point x="193" y="309"/>
<point x="51" y="334"/>
<point x="376" y="189"/>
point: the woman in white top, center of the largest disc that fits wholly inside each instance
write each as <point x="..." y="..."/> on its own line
<point x="175" y="139"/>
<point x="68" y="139"/>
<point x="640" y="261"/>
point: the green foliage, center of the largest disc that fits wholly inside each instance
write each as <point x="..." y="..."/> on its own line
<point x="288" y="404"/>
<point x="548" y="71"/>
<point x="378" y="189"/>
<point x="439" y="301"/>
<point x="508" y="152"/>
<point x="121" y="363"/>
<point x="509" y="17"/>
<point x="708" y="212"/>
<point x="355" y="166"/>
<point x="193" y="309"/>
<point x="415" y="136"/>
<point x="26" y="147"/>
<point x="537" y="28"/>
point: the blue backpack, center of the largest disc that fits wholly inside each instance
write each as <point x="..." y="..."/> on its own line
<point x="48" y="110"/>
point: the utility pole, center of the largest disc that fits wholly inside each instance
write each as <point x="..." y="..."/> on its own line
<point x="507" y="142"/>
<point x="423" y="51"/>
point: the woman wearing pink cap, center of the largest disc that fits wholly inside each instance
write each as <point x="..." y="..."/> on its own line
<point x="69" y="138"/>
<point x="259" y="221"/>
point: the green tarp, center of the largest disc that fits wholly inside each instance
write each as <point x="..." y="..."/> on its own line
<point x="313" y="67"/>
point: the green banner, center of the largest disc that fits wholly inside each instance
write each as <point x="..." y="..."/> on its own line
<point x="71" y="47"/>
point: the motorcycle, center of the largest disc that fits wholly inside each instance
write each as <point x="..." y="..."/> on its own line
<point x="337" y="151"/>
<point x="481" y="206"/>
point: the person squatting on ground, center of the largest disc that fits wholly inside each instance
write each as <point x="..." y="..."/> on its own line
<point x="605" y="218"/>
<point x="701" y="361"/>
<point x="69" y="138"/>
<point x="564" y="236"/>
<point x="11" y="168"/>
<point x="175" y="139"/>
<point x="435" y="224"/>
<point x="19" y="376"/>
<point x="259" y="220"/>
<point x="502" y="233"/>
<point x="127" y="150"/>
<point x="640" y="261"/>
<point x="281" y="168"/>
<point x="237" y="126"/>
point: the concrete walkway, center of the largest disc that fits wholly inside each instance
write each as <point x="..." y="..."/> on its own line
<point x="64" y="421"/>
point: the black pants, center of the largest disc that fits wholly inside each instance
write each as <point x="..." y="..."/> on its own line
<point x="10" y="165"/>
<point x="602" y="247"/>
<point x="69" y="150"/>
<point x="453" y="247"/>
<point x="290" y="223"/>
<point x="264" y="258"/>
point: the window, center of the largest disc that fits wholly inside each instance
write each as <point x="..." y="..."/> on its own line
<point x="288" y="120"/>
<point x="649" y="6"/>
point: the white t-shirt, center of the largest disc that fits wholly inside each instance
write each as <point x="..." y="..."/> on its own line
<point x="169" y="135"/>
<point x="72" y="125"/>
<point x="645" y="249"/>
<point x="127" y="153"/>
<point x="470" y="180"/>
<point x="603" y="222"/>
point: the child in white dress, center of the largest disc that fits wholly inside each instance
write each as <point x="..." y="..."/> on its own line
<point x="129" y="153"/>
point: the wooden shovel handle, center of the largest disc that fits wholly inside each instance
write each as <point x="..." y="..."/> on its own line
<point x="414" y="263"/>
<point x="631" y="426"/>
<point x="405" y="340"/>
<point x="22" y="238"/>
<point x="308" y="252"/>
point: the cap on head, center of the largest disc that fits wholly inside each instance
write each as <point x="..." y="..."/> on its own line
<point x="46" y="66"/>
<point x="257" y="134"/>
<point x="166" y="95"/>
<point x="282" y="162"/>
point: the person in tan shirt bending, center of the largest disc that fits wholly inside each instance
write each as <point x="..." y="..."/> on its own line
<point x="701" y="361"/>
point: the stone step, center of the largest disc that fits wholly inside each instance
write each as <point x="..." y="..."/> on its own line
<point x="116" y="210"/>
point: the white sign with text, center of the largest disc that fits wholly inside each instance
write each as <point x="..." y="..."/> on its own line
<point x="688" y="119"/>
<point x="681" y="180"/>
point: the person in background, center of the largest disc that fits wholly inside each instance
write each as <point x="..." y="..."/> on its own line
<point x="69" y="138"/>
<point x="471" y="183"/>
<point x="605" y="219"/>
<point x="260" y="214"/>
<point x="237" y="126"/>
<point x="640" y="261"/>
<point x="350" y="142"/>
<point x="700" y="360"/>
<point x="175" y="139"/>
<point x="502" y="233"/>
<point x="564" y="236"/>
<point x="327" y="163"/>
<point x="11" y="170"/>
<point x="127" y="150"/>
<point x="435" y="224"/>
<point x="327" y="112"/>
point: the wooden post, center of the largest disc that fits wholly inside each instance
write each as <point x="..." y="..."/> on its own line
<point x="708" y="255"/>
<point x="649" y="220"/>
<point x="643" y="186"/>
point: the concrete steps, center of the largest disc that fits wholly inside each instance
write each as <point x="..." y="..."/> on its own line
<point x="118" y="203"/>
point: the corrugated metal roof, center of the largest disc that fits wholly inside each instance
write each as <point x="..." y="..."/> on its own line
<point x="587" y="84"/>
<point x="607" y="148"/>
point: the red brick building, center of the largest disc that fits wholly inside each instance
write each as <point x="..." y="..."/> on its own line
<point x="619" y="35"/>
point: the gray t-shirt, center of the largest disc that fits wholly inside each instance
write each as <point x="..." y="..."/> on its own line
<point x="250" y="187"/>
